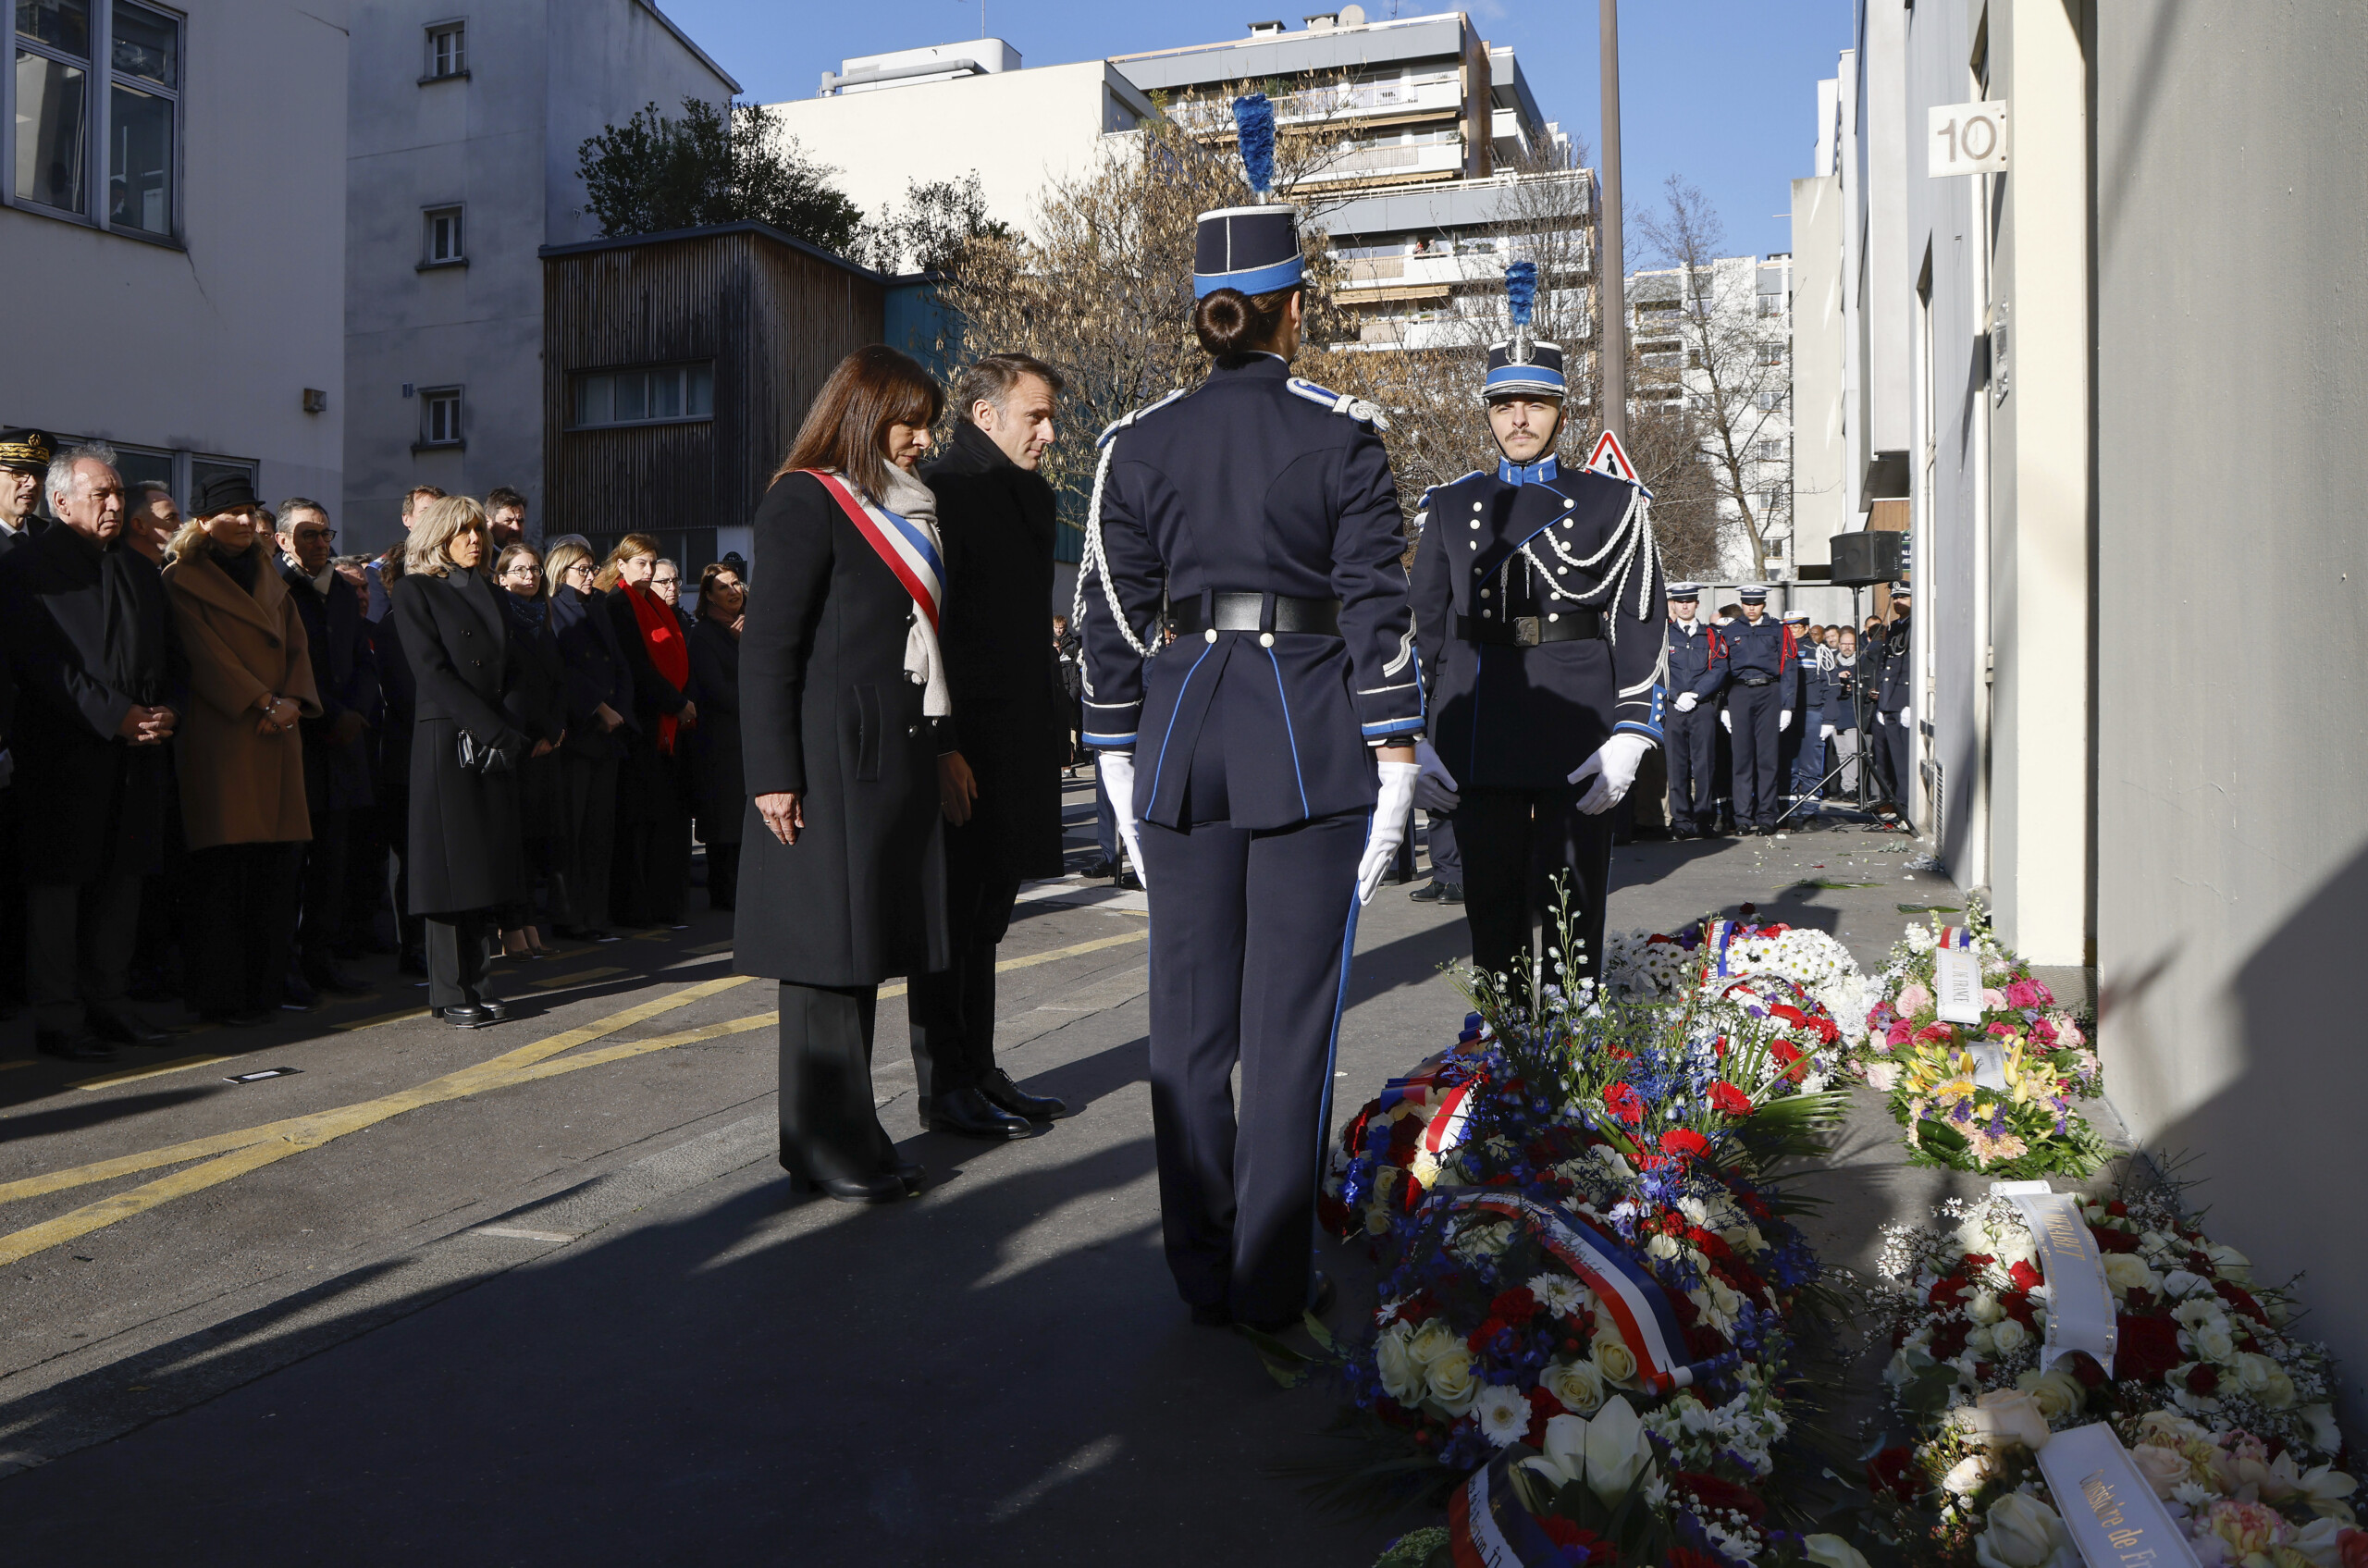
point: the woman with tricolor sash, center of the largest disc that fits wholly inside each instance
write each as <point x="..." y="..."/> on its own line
<point x="841" y="681"/>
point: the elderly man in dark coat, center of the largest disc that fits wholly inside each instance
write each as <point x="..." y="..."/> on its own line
<point x="99" y="675"/>
<point x="336" y="763"/>
<point x="1001" y="780"/>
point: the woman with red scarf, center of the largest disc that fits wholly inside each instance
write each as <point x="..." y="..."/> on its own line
<point x="649" y="876"/>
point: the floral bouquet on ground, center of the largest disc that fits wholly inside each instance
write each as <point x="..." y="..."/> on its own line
<point x="1996" y="1096"/>
<point x="1708" y="956"/>
<point x="1587" y="1335"/>
<point x="2226" y="1414"/>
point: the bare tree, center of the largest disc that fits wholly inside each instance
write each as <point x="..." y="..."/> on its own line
<point x="1736" y="371"/>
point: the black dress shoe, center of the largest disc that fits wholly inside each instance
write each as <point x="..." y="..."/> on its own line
<point x="884" y="1189"/>
<point x="125" y="1030"/>
<point x="1129" y="883"/>
<point x="329" y="977"/>
<point x="1005" y="1096"/>
<point x="1429" y="892"/>
<point x="74" y="1047"/>
<point x="1451" y="892"/>
<point x="965" y="1113"/>
<point x="914" y="1176"/>
<point x="1098" y="869"/>
<point x="466" y="1017"/>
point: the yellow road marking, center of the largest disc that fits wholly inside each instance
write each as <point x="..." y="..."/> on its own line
<point x="252" y="1148"/>
<point x="701" y="950"/>
<point x="10" y="1066"/>
<point x="179" y="1064"/>
<point x="375" y="1020"/>
<point x="573" y="979"/>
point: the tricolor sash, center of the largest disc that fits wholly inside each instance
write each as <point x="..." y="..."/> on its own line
<point x="1638" y="1305"/>
<point x="906" y="550"/>
<point x="1487" y="1526"/>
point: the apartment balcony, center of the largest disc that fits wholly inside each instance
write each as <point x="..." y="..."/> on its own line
<point x="1433" y="160"/>
<point x="1382" y="102"/>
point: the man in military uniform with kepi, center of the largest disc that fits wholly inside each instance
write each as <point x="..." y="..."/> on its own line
<point x="1538" y="602"/>
<point x="24" y="459"/>
<point x="1689" y="719"/>
<point x="1761" y="670"/>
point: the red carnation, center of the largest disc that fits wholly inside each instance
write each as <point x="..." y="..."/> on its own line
<point x="1684" y="1143"/>
<point x="1937" y="1031"/>
<point x="1686" y="1557"/>
<point x="2112" y="1240"/>
<point x="1624" y="1103"/>
<point x="1948" y="1339"/>
<point x="1729" y="1100"/>
<point x="2018" y="1305"/>
<point x="1579" y="1544"/>
<point x="1543" y="1408"/>
<point x="2145" y="1348"/>
<point x="1712" y="1493"/>
<point x="2237" y="1296"/>
<point x="1516" y="1305"/>
<point x="1893" y="1471"/>
<point x="1945" y="1292"/>
<point x="2025" y="1277"/>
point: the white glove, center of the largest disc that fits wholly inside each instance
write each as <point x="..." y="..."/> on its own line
<point x="1726" y="722"/>
<point x="1686" y="701"/>
<point x="1614" y="766"/>
<point x="1389" y="814"/>
<point x="1118" y="783"/>
<point x="1826" y="734"/>
<point x="1784" y="721"/>
<point x="1435" y="791"/>
<point x="1907" y="718"/>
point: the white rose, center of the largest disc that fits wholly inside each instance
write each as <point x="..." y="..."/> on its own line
<point x="2003" y="1418"/>
<point x="2023" y="1533"/>
<point x="1401" y="1376"/>
<point x="1450" y="1382"/>
<point x="1431" y="1340"/>
<point x="2232" y="1264"/>
<point x="2163" y="1469"/>
<point x="2214" y="1341"/>
<point x="1978" y="1340"/>
<point x="1614" y="1359"/>
<point x="2253" y="1372"/>
<point x="1831" y="1551"/>
<point x="2056" y="1393"/>
<point x="1968" y="1475"/>
<point x="2125" y="1273"/>
<point x="1984" y="1308"/>
<point x="2008" y="1336"/>
<point x="1577" y="1384"/>
<point x="2325" y="1436"/>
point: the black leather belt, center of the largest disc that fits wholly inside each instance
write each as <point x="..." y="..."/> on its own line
<point x="1755" y="680"/>
<point x="1247" y="612"/>
<point x="1529" y="631"/>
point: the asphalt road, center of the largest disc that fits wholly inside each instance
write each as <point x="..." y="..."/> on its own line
<point x="540" y="1294"/>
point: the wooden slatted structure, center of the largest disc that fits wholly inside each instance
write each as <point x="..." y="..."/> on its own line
<point x="771" y="314"/>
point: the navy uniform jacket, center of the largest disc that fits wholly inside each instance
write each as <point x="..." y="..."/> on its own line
<point x="1252" y="483"/>
<point x="1817" y="687"/>
<point x="1526" y="717"/>
<point x="1694" y="660"/>
<point x="1762" y="647"/>
<point x="1897" y="677"/>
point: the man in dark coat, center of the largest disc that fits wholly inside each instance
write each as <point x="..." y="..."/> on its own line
<point x="99" y="675"/>
<point x="336" y="769"/>
<point x="391" y="785"/>
<point x="1001" y="771"/>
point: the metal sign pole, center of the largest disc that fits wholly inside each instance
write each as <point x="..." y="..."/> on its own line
<point x="1610" y="268"/>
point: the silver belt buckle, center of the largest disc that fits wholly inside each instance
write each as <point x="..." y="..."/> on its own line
<point x="1525" y="630"/>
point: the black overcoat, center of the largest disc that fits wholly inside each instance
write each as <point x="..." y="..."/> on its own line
<point x="536" y="703"/>
<point x="996" y="521"/>
<point x="465" y="826"/>
<point x="648" y="780"/>
<point x="827" y="710"/>
<point x="595" y="674"/>
<point x="89" y="634"/>
<point x="345" y="674"/>
<point x="719" y="792"/>
<point x="399" y="707"/>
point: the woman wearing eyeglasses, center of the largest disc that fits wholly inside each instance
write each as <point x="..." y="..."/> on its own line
<point x="536" y="703"/>
<point x="600" y="719"/>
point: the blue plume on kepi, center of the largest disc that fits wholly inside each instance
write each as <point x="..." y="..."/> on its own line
<point x="1254" y="117"/>
<point x="1521" y="290"/>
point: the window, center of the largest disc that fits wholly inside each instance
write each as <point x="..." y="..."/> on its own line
<point x="1768" y="401"/>
<point x="1767" y="451"/>
<point x="642" y="396"/>
<point x="60" y="118"/>
<point x="1771" y="354"/>
<point x="444" y="245"/>
<point x="440" y="416"/>
<point x="448" y="51"/>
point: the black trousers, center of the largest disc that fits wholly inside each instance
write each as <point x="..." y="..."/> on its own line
<point x="953" y="1011"/>
<point x="649" y="878"/>
<point x="77" y="949"/>
<point x="456" y="945"/>
<point x="1516" y="842"/>
<point x="829" y="1128"/>
<point x="1249" y="932"/>
<point x="242" y="925"/>
<point x="586" y="842"/>
<point x="1447" y="860"/>
<point x="723" y="875"/>
<point x="1691" y="741"/>
<point x="322" y="890"/>
<point x="1758" y="764"/>
<point x="1894" y="745"/>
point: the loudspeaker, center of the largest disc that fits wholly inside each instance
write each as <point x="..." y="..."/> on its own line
<point x="1866" y="558"/>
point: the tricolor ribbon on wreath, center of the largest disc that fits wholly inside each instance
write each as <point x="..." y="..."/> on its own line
<point x="1958" y="937"/>
<point x="904" y="549"/>
<point x="1488" y="1527"/>
<point x="1638" y="1305"/>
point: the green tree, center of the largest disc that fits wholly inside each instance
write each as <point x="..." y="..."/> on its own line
<point x="928" y="233"/>
<point x="653" y="174"/>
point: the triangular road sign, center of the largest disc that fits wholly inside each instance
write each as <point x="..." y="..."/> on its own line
<point x="1610" y="457"/>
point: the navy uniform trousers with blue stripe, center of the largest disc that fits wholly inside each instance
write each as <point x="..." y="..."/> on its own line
<point x="1255" y="786"/>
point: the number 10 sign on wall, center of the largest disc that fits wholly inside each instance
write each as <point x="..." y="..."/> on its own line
<point x="1968" y="139"/>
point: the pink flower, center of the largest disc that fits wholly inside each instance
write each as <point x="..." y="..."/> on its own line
<point x="1993" y="999"/>
<point x="1882" y="1076"/>
<point x="2247" y="1526"/>
<point x="2043" y="1032"/>
<point x="2003" y="1031"/>
<point x="1899" y="1033"/>
<point x="2027" y="993"/>
<point x="1915" y="999"/>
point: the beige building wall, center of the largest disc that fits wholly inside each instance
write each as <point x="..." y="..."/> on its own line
<point x="1016" y="129"/>
<point x="1821" y="456"/>
<point x="2232" y="617"/>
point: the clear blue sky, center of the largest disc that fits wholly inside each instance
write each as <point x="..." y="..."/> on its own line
<point x="1722" y="93"/>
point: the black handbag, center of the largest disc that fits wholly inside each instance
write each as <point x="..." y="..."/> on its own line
<point x="476" y="757"/>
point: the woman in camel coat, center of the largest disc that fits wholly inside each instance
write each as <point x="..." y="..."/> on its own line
<point x="241" y="759"/>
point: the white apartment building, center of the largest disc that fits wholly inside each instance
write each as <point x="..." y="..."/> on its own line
<point x="172" y="234"/>
<point x="919" y="117"/>
<point x="460" y="168"/>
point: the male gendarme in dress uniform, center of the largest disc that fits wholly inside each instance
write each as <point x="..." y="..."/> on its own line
<point x="1763" y="680"/>
<point x="24" y="459"/>
<point x="1259" y="765"/>
<point x="1537" y="595"/>
<point x="1689" y="721"/>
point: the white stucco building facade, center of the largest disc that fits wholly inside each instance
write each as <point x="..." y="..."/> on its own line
<point x="174" y="243"/>
<point x="461" y="166"/>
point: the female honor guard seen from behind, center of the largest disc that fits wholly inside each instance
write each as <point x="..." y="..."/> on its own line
<point x="1260" y="765"/>
<point x="1538" y="591"/>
